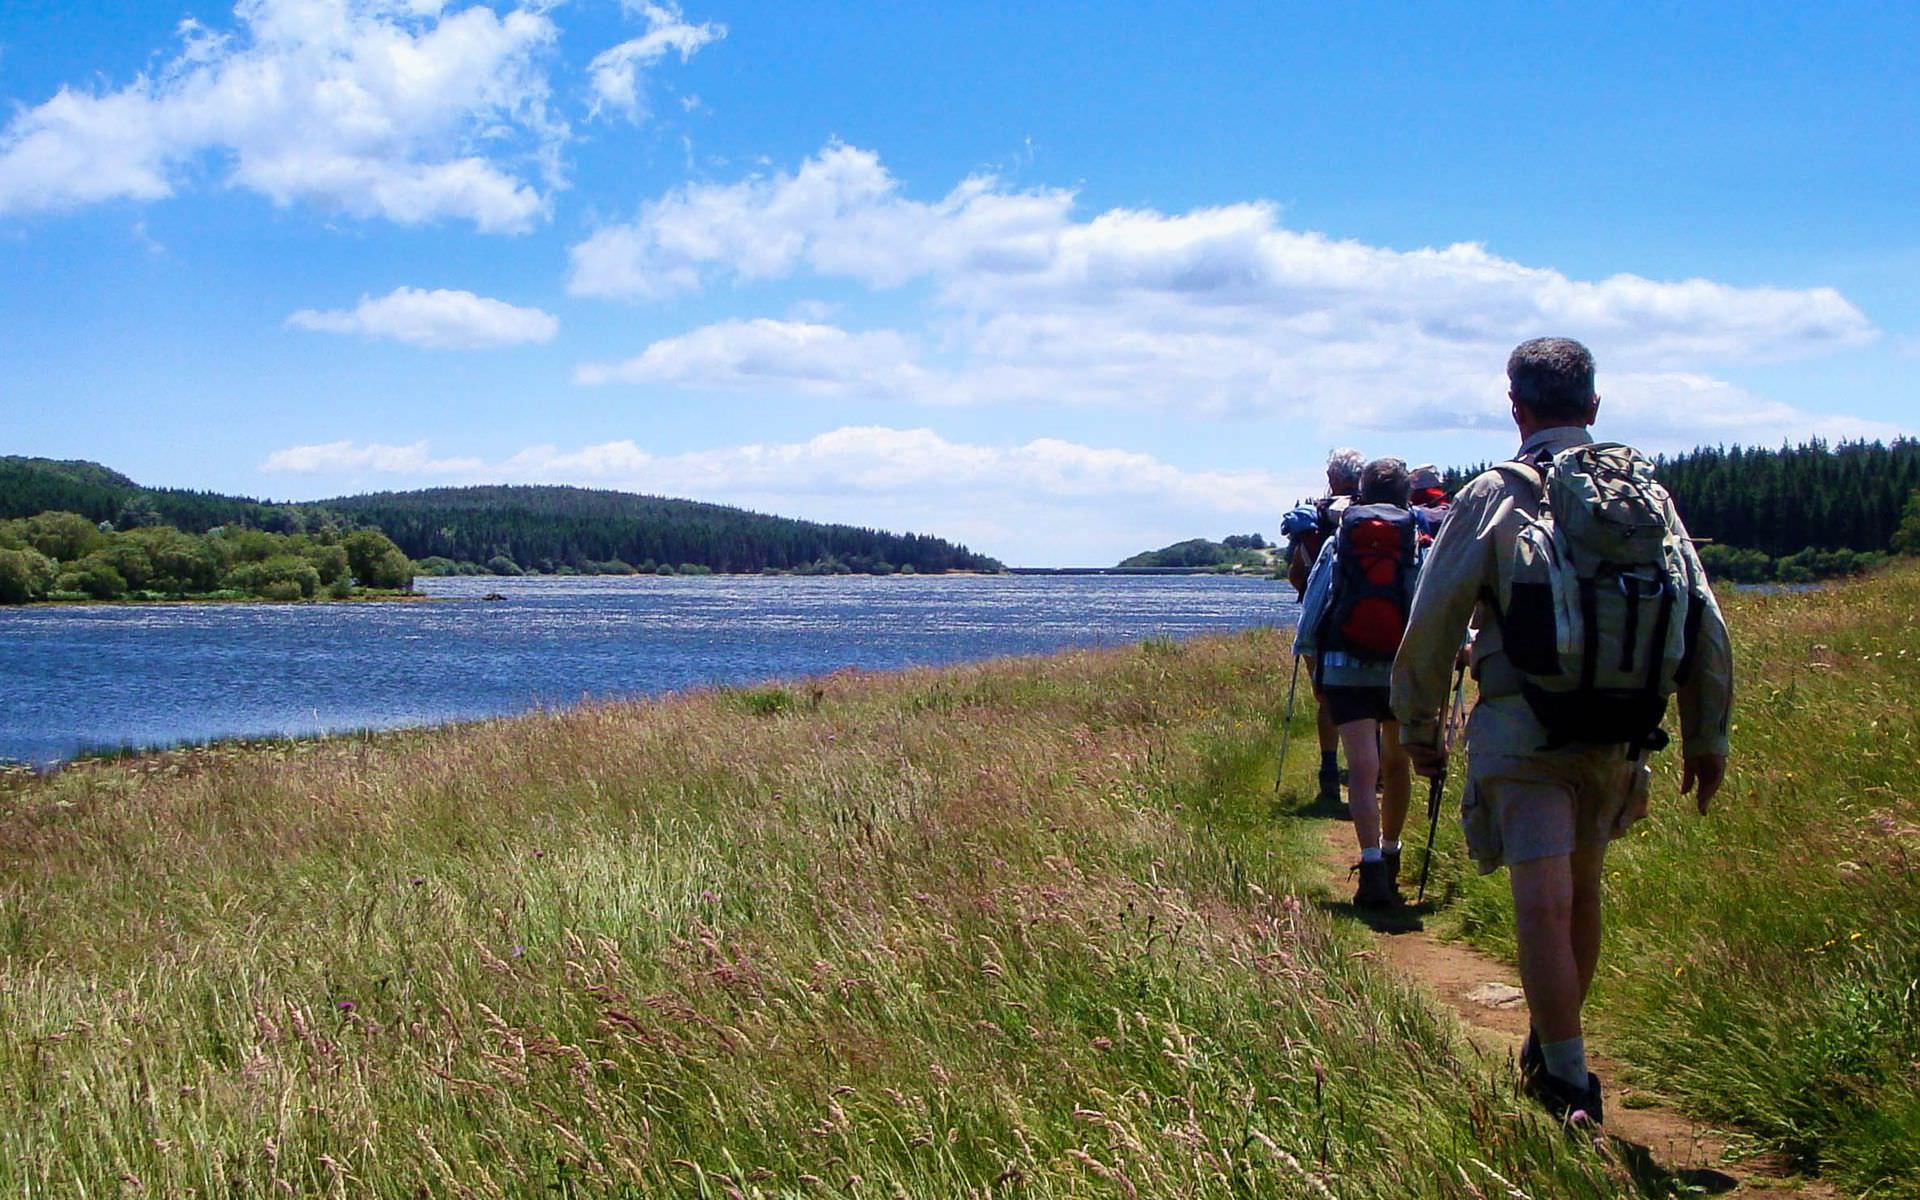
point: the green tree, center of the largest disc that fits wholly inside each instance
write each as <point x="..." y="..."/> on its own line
<point x="1906" y="539"/>
<point x="282" y="577"/>
<point x="329" y="560"/>
<point x="500" y="564"/>
<point x="64" y="536"/>
<point x="25" y="575"/>
<point x="137" y="513"/>
<point x="95" y="577"/>
<point x="376" y="562"/>
<point x="182" y="564"/>
<point x="129" y="558"/>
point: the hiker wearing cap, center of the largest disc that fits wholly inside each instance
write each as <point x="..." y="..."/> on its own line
<point x="1351" y="621"/>
<point x="1428" y="499"/>
<point x="1592" y="611"/>
<point x="1308" y="529"/>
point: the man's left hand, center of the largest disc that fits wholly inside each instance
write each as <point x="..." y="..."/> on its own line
<point x="1702" y="773"/>
<point x="1429" y="762"/>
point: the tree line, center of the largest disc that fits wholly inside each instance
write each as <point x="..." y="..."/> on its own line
<point x="553" y="528"/>
<point x="501" y="530"/>
<point x="1790" y="514"/>
<point x="66" y="556"/>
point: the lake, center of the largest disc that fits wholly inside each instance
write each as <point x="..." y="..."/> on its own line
<point x="89" y="678"/>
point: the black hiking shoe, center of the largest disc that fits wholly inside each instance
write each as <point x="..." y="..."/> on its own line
<point x="1376" y="886"/>
<point x="1533" y="1063"/>
<point x="1330" y="786"/>
<point x="1393" y="871"/>
<point x="1571" y="1106"/>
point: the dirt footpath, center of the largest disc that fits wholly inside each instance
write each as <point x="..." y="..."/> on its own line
<point x="1648" y="1138"/>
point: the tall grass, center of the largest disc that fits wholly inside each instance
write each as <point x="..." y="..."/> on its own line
<point x="1022" y="929"/>
<point x="1762" y="965"/>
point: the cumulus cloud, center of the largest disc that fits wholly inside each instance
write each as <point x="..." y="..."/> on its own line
<point x="357" y="458"/>
<point x="796" y="355"/>
<point x="1218" y="310"/>
<point x="1010" y="500"/>
<point x="616" y="70"/>
<point x="441" y="319"/>
<point x="405" y="110"/>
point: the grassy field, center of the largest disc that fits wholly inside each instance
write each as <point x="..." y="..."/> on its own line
<point x="1024" y="929"/>
<point x="1762" y="965"/>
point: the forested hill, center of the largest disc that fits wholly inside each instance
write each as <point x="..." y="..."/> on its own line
<point x="1821" y="496"/>
<point x="531" y="528"/>
<point x="542" y="527"/>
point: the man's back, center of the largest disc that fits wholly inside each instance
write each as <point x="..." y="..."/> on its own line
<point x="1466" y="568"/>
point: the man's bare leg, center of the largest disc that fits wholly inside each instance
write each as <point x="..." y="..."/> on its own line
<point x="1586" y="868"/>
<point x="1550" y="972"/>
<point x="1329" y="754"/>
<point x="1397" y="769"/>
<point x="1363" y="771"/>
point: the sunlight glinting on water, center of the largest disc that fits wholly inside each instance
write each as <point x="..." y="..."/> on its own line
<point x="80" y="678"/>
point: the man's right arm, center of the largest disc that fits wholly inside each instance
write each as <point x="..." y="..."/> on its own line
<point x="1457" y="569"/>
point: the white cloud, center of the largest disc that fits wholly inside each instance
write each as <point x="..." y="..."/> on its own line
<point x="442" y="319"/>
<point x="1011" y="500"/>
<point x="1675" y="411"/>
<point x="616" y="71"/>
<point x="1216" y="310"/>
<point x="796" y="355"/>
<point x="398" y="109"/>
<point x="353" y="458"/>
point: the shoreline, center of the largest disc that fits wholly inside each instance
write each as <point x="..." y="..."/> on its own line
<point x="183" y="601"/>
<point x="157" y="754"/>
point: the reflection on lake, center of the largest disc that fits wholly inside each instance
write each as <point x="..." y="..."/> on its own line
<point x="89" y="677"/>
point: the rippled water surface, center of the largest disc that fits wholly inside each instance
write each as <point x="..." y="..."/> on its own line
<point x="74" y="678"/>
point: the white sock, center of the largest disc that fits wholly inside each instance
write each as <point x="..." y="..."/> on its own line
<point x="1370" y="854"/>
<point x="1390" y="849"/>
<point x="1567" y="1061"/>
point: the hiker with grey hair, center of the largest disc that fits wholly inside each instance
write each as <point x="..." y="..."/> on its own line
<point x="1307" y="529"/>
<point x="1355" y="608"/>
<point x="1592" y="610"/>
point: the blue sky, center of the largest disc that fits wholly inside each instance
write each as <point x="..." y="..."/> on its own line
<point x="1060" y="283"/>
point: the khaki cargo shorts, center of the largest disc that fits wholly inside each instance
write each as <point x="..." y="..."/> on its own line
<point x="1522" y="805"/>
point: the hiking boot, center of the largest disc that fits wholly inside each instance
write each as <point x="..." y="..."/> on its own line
<point x="1568" y="1104"/>
<point x="1533" y="1063"/>
<point x="1393" y="871"/>
<point x="1376" y="886"/>
<point x="1330" y="782"/>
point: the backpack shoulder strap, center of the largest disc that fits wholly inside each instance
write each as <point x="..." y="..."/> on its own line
<point x="1530" y="471"/>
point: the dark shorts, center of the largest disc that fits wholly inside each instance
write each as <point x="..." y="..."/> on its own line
<point x="1346" y="704"/>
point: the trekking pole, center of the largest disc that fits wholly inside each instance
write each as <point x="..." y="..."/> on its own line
<point x="1286" y="730"/>
<point x="1440" y="781"/>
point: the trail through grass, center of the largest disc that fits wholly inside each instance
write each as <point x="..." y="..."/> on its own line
<point x="1762" y="965"/>
<point x="1021" y="929"/>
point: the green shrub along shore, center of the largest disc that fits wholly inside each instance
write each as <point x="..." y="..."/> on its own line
<point x="1027" y="928"/>
<point x="66" y="557"/>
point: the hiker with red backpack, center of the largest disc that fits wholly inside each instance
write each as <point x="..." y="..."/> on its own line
<point x="1307" y="529"/>
<point x="1350" y="623"/>
<point x="1592" y="612"/>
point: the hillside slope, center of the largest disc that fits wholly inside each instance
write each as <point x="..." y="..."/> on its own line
<point x="538" y="528"/>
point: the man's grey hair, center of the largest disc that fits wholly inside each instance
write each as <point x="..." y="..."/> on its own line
<point x="1345" y="464"/>
<point x="1552" y="377"/>
<point x="1384" y="481"/>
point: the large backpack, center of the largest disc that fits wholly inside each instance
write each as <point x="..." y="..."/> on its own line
<point x="1597" y="610"/>
<point x="1373" y="581"/>
<point x="1307" y="528"/>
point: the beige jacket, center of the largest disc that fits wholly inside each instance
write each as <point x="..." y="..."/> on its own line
<point x="1466" y="564"/>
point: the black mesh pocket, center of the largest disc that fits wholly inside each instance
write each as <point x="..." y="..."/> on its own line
<point x="1531" y="642"/>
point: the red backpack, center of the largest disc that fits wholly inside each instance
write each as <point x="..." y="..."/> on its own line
<point x="1372" y="585"/>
